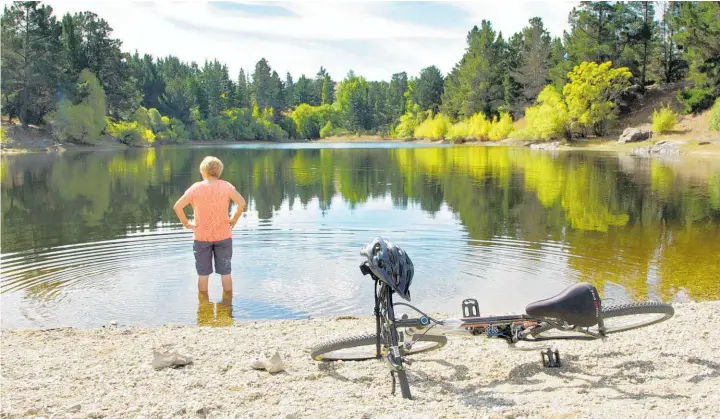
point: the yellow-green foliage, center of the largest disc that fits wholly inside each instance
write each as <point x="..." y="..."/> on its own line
<point x="85" y="121"/>
<point x="3" y="136"/>
<point x="548" y="119"/>
<point x="131" y="133"/>
<point x="309" y="120"/>
<point x="459" y="131"/>
<point x="327" y="130"/>
<point x="663" y="120"/>
<point x="409" y="121"/>
<point x="406" y="127"/>
<point x="477" y="127"/>
<point x="590" y="92"/>
<point x="501" y="128"/>
<point x="715" y="116"/>
<point x="434" y="128"/>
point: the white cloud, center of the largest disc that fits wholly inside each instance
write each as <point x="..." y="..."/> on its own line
<point x="510" y="16"/>
<point x="338" y="35"/>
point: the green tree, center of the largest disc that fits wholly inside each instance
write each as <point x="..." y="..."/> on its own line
<point x="428" y="89"/>
<point x="475" y="83"/>
<point x="88" y="45"/>
<point x="353" y="99"/>
<point x="327" y="94"/>
<point x="535" y="60"/>
<point x="242" y="91"/>
<point x="318" y="84"/>
<point x="643" y="33"/>
<point x="178" y="98"/>
<point x="592" y="33"/>
<point x="670" y="65"/>
<point x="304" y="92"/>
<point x="697" y="33"/>
<point x="561" y="64"/>
<point x="81" y="120"/>
<point x="396" y="101"/>
<point x="377" y="96"/>
<point x="31" y="60"/>
<point x="215" y="82"/>
<point x="263" y="88"/>
<point x="288" y="91"/>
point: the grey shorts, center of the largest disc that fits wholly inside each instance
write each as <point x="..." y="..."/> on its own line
<point x="221" y="251"/>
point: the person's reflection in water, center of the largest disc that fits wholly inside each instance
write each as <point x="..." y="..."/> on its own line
<point x="214" y="314"/>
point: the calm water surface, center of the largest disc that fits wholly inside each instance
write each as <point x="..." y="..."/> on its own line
<point x="91" y="237"/>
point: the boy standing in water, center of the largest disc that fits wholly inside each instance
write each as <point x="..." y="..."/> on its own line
<point x="212" y="226"/>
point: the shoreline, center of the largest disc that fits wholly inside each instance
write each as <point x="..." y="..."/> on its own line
<point x="668" y="370"/>
<point x="685" y="143"/>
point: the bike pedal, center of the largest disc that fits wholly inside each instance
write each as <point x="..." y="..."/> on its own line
<point x="551" y="359"/>
<point x="470" y="308"/>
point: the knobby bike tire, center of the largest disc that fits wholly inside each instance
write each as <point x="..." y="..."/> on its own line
<point x="664" y="312"/>
<point x="324" y="351"/>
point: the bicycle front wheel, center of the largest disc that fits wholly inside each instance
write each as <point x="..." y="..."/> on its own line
<point x="363" y="347"/>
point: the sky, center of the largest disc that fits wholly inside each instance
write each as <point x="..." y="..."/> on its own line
<point x="373" y="38"/>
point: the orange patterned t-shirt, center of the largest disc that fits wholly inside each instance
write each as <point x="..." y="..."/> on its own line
<point x="211" y="205"/>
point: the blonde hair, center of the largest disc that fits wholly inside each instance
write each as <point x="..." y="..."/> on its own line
<point x="212" y="165"/>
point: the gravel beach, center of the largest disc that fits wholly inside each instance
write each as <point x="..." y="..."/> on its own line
<point x="671" y="370"/>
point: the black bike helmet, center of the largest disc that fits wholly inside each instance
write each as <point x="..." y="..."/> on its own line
<point x="390" y="264"/>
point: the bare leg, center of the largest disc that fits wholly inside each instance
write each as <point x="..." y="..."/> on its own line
<point x="226" y="283"/>
<point x="203" y="283"/>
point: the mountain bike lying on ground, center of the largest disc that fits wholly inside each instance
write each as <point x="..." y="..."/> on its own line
<point x="576" y="313"/>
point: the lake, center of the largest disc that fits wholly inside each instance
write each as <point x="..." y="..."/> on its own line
<point x="91" y="237"/>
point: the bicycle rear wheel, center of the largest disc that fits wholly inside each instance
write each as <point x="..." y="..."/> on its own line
<point x="634" y="316"/>
<point x="618" y="319"/>
<point x="363" y="347"/>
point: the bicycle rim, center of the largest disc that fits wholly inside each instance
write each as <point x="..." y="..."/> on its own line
<point x="363" y="347"/>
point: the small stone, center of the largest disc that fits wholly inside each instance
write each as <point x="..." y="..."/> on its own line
<point x="76" y="408"/>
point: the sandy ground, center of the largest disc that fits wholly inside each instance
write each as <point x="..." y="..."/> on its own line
<point x="670" y="370"/>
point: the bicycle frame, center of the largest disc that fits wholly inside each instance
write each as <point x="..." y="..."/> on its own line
<point x="511" y="328"/>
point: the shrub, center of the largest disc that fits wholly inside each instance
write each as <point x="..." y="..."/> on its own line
<point x="434" y="128"/>
<point x="327" y="130"/>
<point x="715" y="116"/>
<point x="309" y="120"/>
<point x="548" y="119"/>
<point x="696" y="100"/>
<point x="3" y="136"/>
<point x="501" y="128"/>
<point x="459" y="131"/>
<point x="663" y="120"/>
<point x="83" y="121"/>
<point x="130" y="133"/>
<point x="591" y="92"/>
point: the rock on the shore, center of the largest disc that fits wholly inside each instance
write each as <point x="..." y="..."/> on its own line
<point x="545" y="146"/>
<point x="631" y="135"/>
<point x="667" y="148"/>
